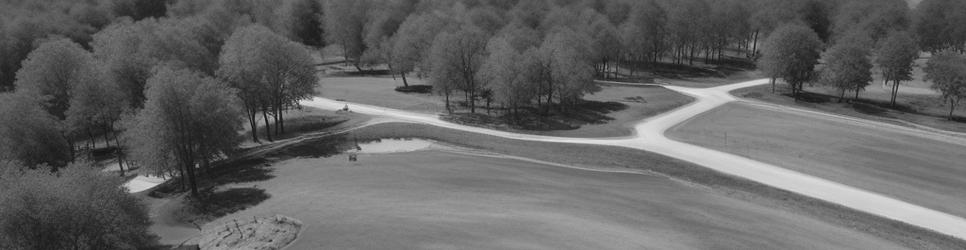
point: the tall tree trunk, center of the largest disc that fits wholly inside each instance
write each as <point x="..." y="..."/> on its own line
<point x="895" y="92"/>
<point x="192" y="181"/>
<point x="754" y="49"/>
<point x="405" y="83"/>
<point x="952" y="107"/>
<point x="90" y="150"/>
<point x="448" y="108"/>
<point x="773" y="85"/>
<point x="856" y="99"/>
<point x="253" y="122"/>
<point x="268" y="128"/>
<point x="184" y="178"/>
<point x="120" y="153"/>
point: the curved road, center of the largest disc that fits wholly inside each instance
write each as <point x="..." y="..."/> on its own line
<point x="649" y="136"/>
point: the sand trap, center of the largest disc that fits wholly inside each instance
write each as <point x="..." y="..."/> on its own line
<point x="385" y="146"/>
<point x="143" y="182"/>
<point x="269" y="232"/>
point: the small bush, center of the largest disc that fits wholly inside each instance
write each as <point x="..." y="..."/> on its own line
<point x="421" y="89"/>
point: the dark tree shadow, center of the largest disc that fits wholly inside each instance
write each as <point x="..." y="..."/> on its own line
<point x="212" y="204"/>
<point x="317" y="147"/>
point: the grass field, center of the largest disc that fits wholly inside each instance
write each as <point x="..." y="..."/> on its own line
<point x="921" y="171"/>
<point x="705" y="203"/>
<point x="434" y="199"/>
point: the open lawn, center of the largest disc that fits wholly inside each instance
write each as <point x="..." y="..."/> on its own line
<point x="435" y="199"/>
<point x="379" y="91"/>
<point x="921" y="171"/>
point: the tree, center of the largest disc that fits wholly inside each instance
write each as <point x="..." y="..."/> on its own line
<point x="75" y="208"/>
<point x="52" y="70"/>
<point x="301" y="21"/>
<point x="895" y="57"/>
<point x="30" y="135"/>
<point x="684" y="26"/>
<point x="644" y="33"/>
<point x="938" y="24"/>
<point x="947" y="71"/>
<point x="456" y="56"/>
<point x="270" y="72"/>
<point x="847" y="67"/>
<point x="561" y="69"/>
<point x="505" y="70"/>
<point x="380" y="32"/>
<point x="121" y="49"/>
<point x="97" y="106"/>
<point x="791" y="53"/>
<point x="177" y="43"/>
<point x="344" y="23"/>
<point x="413" y="40"/>
<point x="878" y="18"/>
<point x="815" y="14"/>
<point x="188" y="120"/>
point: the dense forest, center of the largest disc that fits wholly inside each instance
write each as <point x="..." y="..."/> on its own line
<point x="171" y="84"/>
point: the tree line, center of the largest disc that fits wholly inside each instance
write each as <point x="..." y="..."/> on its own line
<point x="170" y="92"/>
<point x="867" y="34"/>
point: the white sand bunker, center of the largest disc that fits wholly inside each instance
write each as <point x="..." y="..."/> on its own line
<point x="384" y="146"/>
<point x="269" y="232"/>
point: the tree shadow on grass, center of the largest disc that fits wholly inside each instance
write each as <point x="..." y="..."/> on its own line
<point x="214" y="204"/>
<point x="323" y="147"/>
<point x="536" y="119"/>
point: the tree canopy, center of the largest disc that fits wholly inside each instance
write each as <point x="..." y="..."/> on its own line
<point x="188" y="119"/>
<point x="74" y="208"/>
<point x="895" y="57"/>
<point x="30" y="135"/>
<point x="270" y="72"/>
<point x="947" y="71"/>
<point x="52" y="70"/>
<point x="791" y="53"/>
<point x="847" y="67"/>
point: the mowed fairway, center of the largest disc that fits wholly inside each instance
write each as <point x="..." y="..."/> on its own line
<point x="922" y="171"/>
<point x="443" y="200"/>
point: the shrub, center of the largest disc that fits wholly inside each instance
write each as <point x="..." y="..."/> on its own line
<point x="75" y="208"/>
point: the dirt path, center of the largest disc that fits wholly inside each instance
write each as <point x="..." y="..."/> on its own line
<point x="649" y="136"/>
